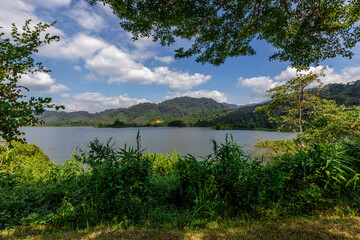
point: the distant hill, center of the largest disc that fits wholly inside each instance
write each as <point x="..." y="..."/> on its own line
<point x="229" y="105"/>
<point x="58" y="116"/>
<point x="187" y="111"/>
<point x="346" y="94"/>
<point x="239" y="118"/>
<point x="140" y="114"/>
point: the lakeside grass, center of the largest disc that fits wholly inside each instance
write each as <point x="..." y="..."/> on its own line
<point x="320" y="227"/>
<point x="126" y="194"/>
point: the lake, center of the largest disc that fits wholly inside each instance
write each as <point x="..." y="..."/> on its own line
<point x="59" y="143"/>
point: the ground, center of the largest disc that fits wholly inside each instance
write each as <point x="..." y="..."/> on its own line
<point x="323" y="227"/>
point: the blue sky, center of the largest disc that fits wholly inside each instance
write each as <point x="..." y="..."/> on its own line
<point x="96" y="65"/>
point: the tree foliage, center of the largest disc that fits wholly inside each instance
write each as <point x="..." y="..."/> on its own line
<point x="333" y="123"/>
<point x="16" y="60"/>
<point x="290" y="101"/>
<point x="303" y="32"/>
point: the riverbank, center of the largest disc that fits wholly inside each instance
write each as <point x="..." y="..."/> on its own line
<point x="316" y="228"/>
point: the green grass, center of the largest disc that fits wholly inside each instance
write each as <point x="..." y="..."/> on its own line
<point x="321" y="227"/>
<point x="123" y="188"/>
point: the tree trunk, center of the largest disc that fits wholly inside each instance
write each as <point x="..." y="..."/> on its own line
<point x="300" y="114"/>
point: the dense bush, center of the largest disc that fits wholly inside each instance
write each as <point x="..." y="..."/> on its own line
<point x="120" y="180"/>
<point x="109" y="184"/>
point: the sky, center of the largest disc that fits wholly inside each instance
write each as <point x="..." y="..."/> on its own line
<point x="96" y="65"/>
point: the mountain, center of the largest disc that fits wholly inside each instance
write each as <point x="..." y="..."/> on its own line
<point x="240" y="118"/>
<point x="59" y="116"/>
<point x="229" y="105"/>
<point x="346" y="94"/>
<point x="140" y="114"/>
<point x="193" y="105"/>
<point x="187" y="111"/>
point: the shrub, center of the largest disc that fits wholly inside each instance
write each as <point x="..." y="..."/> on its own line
<point x="120" y="179"/>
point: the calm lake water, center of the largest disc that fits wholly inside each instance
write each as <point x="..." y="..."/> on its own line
<point x="60" y="142"/>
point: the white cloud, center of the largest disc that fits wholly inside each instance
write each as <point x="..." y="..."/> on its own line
<point x="142" y="43"/>
<point x="145" y="48"/>
<point x="85" y="18"/>
<point x="50" y="3"/>
<point x="178" y="81"/>
<point x="80" y="46"/>
<point x="15" y="11"/>
<point x="286" y="75"/>
<point x="95" y="102"/>
<point x="260" y="84"/>
<point x="18" y="11"/>
<point x="65" y="95"/>
<point x="107" y="9"/>
<point x="166" y="59"/>
<point x="216" y="95"/>
<point x="42" y="83"/>
<point x="346" y="75"/>
<point x="77" y="68"/>
<point x="119" y="66"/>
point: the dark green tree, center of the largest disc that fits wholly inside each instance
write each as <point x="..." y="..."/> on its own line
<point x="16" y="110"/>
<point x="304" y="32"/>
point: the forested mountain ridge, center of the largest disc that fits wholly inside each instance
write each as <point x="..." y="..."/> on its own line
<point x="56" y="116"/>
<point x="344" y="94"/>
<point x="187" y="111"/>
<point x="140" y="114"/>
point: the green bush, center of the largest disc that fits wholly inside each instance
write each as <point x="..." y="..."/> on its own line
<point x="120" y="179"/>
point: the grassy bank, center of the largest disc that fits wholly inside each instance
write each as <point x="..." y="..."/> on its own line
<point x="322" y="227"/>
<point x="125" y="191"/>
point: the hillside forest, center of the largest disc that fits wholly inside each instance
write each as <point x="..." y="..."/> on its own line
<point x="192" y="112"/>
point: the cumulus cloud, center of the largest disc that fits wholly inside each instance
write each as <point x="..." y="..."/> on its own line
<point x="119" y="66"/>
<point x="178" y="81"/>
<point x="216" y="95"/>
<point x="77" y="68"/>
<point x="51" y="3"/>
<point x="15" y="11"/>
<point x="166" y="59"/>
<point x="144" y="48"/>
<point x="65" y="95"/>
<point x="18" y="11"/>
<point x="95" y="102"/>
<point x="80" y="46"/>
<point x="41" y="82"/>
<point x="107" y="9"/>
<point x="346" y="75"/>
<point x="142" y="43"/>
<point x="260" y="84"/>
<point x="85" y="18"/>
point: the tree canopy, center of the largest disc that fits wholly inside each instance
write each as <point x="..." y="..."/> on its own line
<point x="304" y="32"/>
<point x="16" y="60"/>
<point x="333" y="123"/>
<point x="291" y="101"/>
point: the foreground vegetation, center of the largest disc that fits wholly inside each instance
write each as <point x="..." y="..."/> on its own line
<point x="129" y="188"/>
